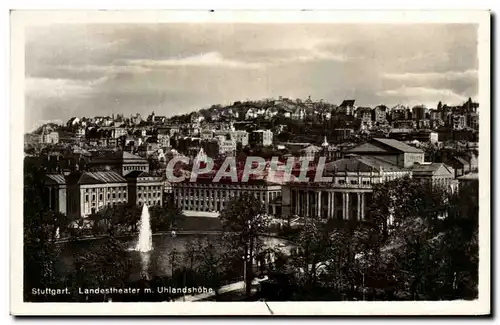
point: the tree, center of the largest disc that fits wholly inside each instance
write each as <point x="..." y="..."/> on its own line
<point x="116" y="220"/>
<point x="40" y="224"/>
<point x="431" y="252"/>
<point x="211" y="266"/>
<point x="314" y="249"/>
<point x="165" y="217"/>
<point x="105" y="267"/>
<point x="242" y="223"/>
<point x="173" y="259"/>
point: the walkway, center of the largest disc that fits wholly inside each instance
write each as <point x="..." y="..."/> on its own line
<point x="237" y="286"/>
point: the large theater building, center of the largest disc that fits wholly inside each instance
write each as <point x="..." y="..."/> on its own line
<point x="348" y="194"/>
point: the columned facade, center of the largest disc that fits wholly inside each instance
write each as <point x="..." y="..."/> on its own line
<point x="329" y="202"/>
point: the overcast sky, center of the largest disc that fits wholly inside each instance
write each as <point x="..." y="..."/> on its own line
<point x="88" y="70"/>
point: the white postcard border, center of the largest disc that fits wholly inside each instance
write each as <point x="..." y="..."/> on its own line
<point x="20" y="19"/>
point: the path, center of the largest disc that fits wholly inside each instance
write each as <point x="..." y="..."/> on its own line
<point x="237" y="286"/>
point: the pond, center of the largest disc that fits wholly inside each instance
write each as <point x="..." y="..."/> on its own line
<point x="155" y="263"/>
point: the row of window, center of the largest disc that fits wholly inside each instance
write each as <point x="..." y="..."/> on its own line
<point x="118" y="195"/>
<point x="101" y="189"/>
<point x="135" y="167"/>
<point x="149" y="202"/>
<point x="225" y="194"/>
<point x="353" y="182"/>
<point x="154" y="194"/>
<point x="149" y="188"/>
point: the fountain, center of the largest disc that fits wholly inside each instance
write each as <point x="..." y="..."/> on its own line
<point x="145" y="241"/>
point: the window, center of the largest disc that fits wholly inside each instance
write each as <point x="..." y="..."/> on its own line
<point x="108" y="195"/>
<point x="100" y="197"/>
<point x="366" y="182"/>
<point x="93" y="197"/>
<point x="120" y="195"/>
<point x="341" y="181"/>
<point x="125" y="195"/>
<point x="139" y="195"/>
<point x="86" y="197"/>
<point x="354" y="182"/>
<point x="114" y="195"/>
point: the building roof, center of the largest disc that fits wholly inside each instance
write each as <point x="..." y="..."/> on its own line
<point x="398" y="145"/>
<point x="362" y="164"/>
<point x="118" y="157"/>
<point x="470" y="176"/>
<point x="311" y="148"/>
<point x="431" y="169"/>
<point x="101" y="178"/>
<point x="461" y="160"/>
<point x="348" y="102"/>
<point x="57" y="178"/>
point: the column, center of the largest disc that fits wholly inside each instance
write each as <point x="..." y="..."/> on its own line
<point x="329" y="204"/>
<point x="359" y="207"/>
<point x="363" y="206"/>
<point x="347" y="205"/>
<point x="344" y="206"/>
<point x="216" y="199"/>
<point x="50" y="197"/>
<point x="318" y="203"/>
<point x="307" y="203"/>
<point x="297" y="201"/>
<point x="267" y="202"/>
<point x="333" y="204"/>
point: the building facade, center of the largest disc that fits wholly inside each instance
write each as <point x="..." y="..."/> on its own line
<point x="88" y="192"/>
<point x="262" y="138"/>
<point x="118" y="161"/>
<point x="437" y="174"/>
<point x="207" y="196"/>
<point x="55" y="191"/>
<point x="347" y="196"/>
<point x="389" y="150"/>
<point x="144" y="188"/>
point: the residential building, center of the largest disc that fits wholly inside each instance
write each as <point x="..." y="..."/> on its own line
<point x="347" y="107"/>
<point x="342" y="134"/>
<point x="49" y="137"/>
<point x="299" y="113"/>
<point x="163" y="140"/>
<point x="404" y="124"/>
<point x="380" y="114"/>
<point x="473" y="121"/>
<point x="419" y="112"/>
<point x="118" y="132"/>
<point x="227" y="146"/>
<point x="262" y="138"/>
<point x="458" y="122"/>
<point x="365" y="115"/>
<point x="206" y="134"/>
<point x="239" y="136"/>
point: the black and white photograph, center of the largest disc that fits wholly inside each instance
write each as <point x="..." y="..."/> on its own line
<point x="254" y="157"/>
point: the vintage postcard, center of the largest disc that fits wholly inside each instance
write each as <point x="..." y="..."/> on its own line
<point x="250" y="163"/>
